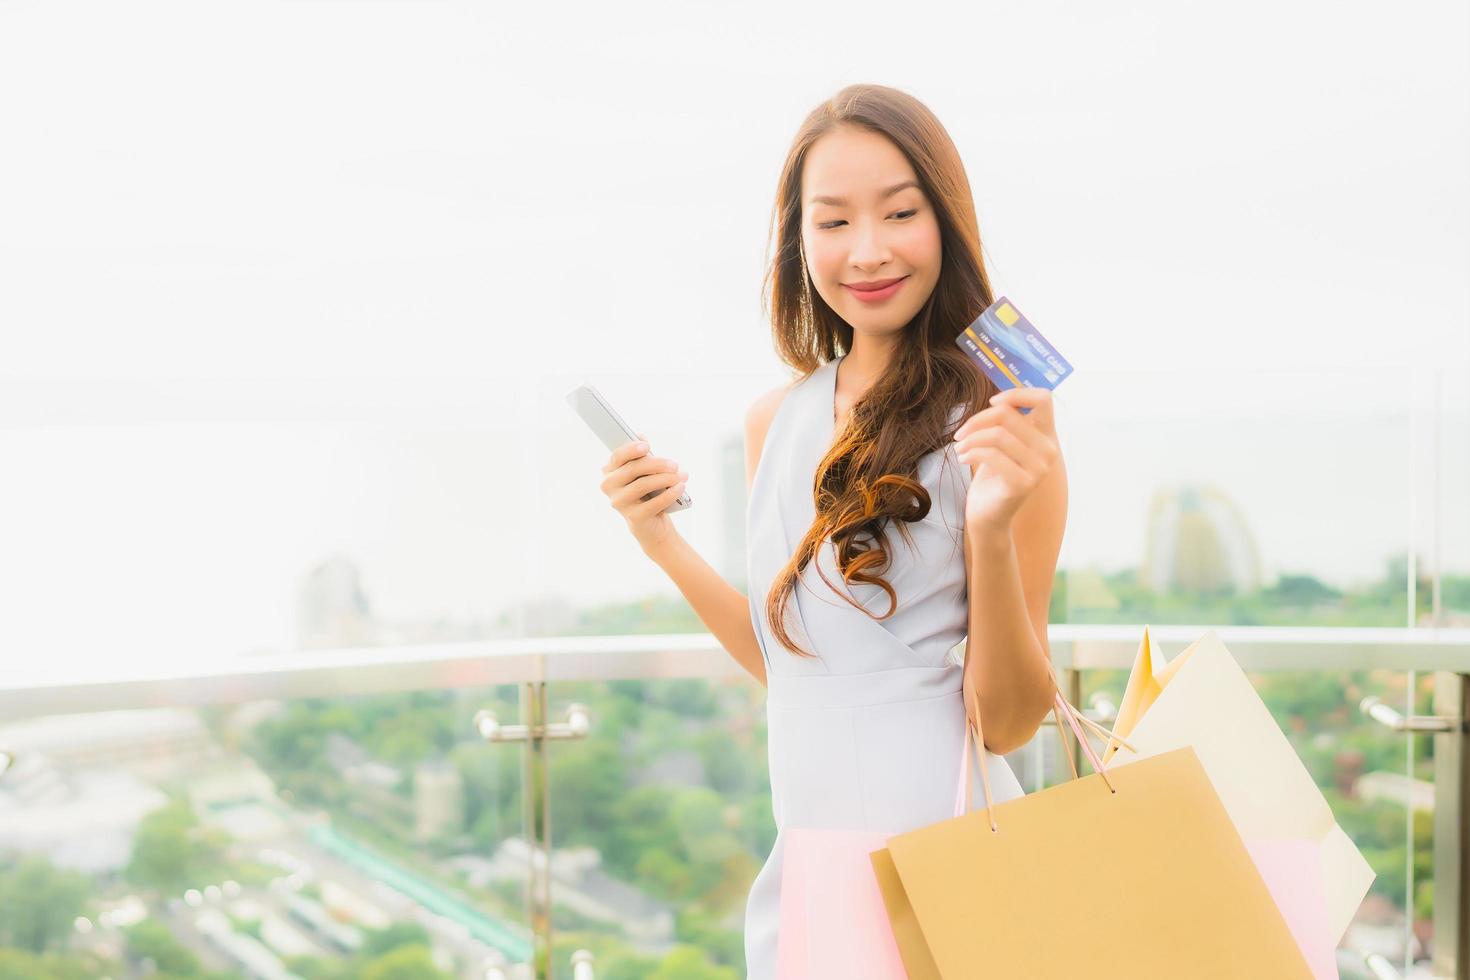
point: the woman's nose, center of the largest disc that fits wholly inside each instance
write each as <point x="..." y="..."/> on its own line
<point x="868" y="247"/>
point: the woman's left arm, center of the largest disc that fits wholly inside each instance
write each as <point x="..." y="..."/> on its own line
<point x="1015" y="517"/>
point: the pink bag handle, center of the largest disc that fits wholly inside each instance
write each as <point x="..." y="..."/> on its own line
<point x="1060" y="706"/>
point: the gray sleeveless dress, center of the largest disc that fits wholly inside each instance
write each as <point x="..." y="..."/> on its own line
<point x="868" y="737"/>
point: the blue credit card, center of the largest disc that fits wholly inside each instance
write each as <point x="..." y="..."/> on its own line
<point x="1011" y="351"/>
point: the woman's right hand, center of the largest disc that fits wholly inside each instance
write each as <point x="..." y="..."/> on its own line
<point x="631" y="474"/>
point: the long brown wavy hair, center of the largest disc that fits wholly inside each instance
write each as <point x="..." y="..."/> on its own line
<point x="867" y="479"/>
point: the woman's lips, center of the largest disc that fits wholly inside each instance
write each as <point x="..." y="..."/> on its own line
<point x="876" y="295"/>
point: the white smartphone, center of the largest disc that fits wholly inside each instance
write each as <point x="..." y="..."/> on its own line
<point x="609" y="426"/>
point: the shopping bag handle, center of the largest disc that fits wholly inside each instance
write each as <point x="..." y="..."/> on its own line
<point x="1076" y="717"/>
<point x="1060" y="706"/>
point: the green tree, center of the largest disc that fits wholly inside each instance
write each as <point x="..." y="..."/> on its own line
<point x="689" y="963"/>
<point x="637" y="823"/>
<point x="38" y="904"/>
<point x="587" y="780"/>
<point x="699" y="816"/>
<point x="692" y="697"/>
<point x="727" y="767"/>
<point x="663" y="874"/>
<point x="404" y="963"/>
<point x="385" y="940"/>
<point x="319" y="968"/>
<point x="295" y="741"/>
<point x="491" y="782"/>
<point x="18" y="964"/>
<point x="172" y="852"/>
<point x="697" y="927"/>
<point x="625" y="966"/>
<point x="1300" y="590"/>
<point x="150" y="939"/>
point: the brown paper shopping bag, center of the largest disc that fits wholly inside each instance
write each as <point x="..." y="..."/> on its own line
<point x="1130" y="873"/>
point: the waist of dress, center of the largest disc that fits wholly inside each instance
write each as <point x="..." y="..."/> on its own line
<point x="873" y="687"/>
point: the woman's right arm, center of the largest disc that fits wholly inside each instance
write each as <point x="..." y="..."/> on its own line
<point x="723" y="609"/>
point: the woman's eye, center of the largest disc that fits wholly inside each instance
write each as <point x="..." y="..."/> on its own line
<point x="908" y="213"/>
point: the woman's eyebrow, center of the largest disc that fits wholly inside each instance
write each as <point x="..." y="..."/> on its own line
<point x="887" y="192"/>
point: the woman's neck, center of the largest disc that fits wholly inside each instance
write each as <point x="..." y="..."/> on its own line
<point x="861" y="366"/>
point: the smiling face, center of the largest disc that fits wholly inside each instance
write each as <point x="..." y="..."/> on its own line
<point x="855" y="232"/>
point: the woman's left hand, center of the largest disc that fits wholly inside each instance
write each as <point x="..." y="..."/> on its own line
<point x="1015" y="453"/>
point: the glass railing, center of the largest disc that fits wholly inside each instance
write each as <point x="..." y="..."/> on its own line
<point x="356" y="812"/>
<point x="277" y="743"/>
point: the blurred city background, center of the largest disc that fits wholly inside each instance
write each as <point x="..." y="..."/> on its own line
<point x="290" y="299"/>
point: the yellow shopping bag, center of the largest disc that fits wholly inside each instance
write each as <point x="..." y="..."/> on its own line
<point x="1060" y="883"/>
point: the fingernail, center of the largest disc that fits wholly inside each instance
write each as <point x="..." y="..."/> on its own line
<point x="642" y="447"/>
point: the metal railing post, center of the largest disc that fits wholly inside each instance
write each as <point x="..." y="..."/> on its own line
<point x="1073" y="681"/>
<point x="1451" y="955"/>
<point x="535" y="733"/>
<point x="536" y="799"/>
<point x="1450" y="726"/>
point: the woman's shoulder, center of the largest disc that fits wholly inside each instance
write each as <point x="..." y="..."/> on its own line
<point x="758" y="419"/>
<point x="761" y="411"/>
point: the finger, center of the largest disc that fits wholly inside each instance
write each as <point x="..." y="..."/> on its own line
<point x="1032" y="429"/>
<point x="977" y="459"/>
<point x="662" y="501"/>
<point x="1021" y="417"/>
<point x="1015" y="444"/>
<point x="630" y="495"/>
<point x="984" y="417"/>
<point x="640" y="467"/>
<point x="1039" y="400"/>
<point x="1030" y="395"/>
<point x="1000" y="409"/>
<point x="1016" y="475"/>
<point x="628" y="450"/>
<point x="999" y="462"/>
<point x="1022" y="472"/>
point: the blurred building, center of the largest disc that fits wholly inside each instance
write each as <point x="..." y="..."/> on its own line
<point x="580" y="885"/>
<point x="373" y="783"/>
<point x="81" y="784"/>
<point x="332" y="609"/>
<point x="1396" y="788"/>
<point x="1198" y="542"/>
<point x="438" y="800"/>
<point x="144" y="740"/>
<point x="83" y="820"/>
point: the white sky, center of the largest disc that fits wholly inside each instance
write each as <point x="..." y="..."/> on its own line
<point x="282" y="279"/>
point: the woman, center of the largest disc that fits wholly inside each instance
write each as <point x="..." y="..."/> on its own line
<point x="897" y="502"/>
